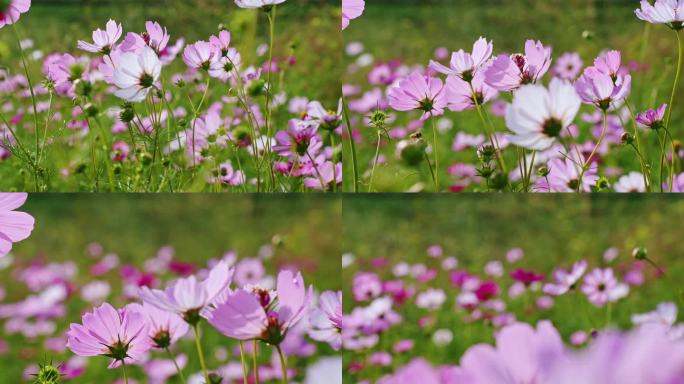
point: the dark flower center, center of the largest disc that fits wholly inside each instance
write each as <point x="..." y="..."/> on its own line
<point x="426" y="104"/>
<point x="192" y="316"/>
<point x="467" y="75"/>
<point x="117" y="351"/>
<point x="162" y="339"/>
<point x="146" y="80"/>
<point x="228" y="66"/>
<point x="273" y="334"/>
<point x="519" y="61"/>
<point x="573" y="184"/>
<point x="601" y="287"/>
<point x="552" y="127"/>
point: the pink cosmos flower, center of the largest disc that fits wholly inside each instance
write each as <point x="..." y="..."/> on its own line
<point x="565" y="280"/>
<point x="669" y="12"/>
<point x="259" y="314"/>
<point x="120" y="151"/>
<point x="507" y="362"/>
<point x="366" y="286"/>
<point x="466" y="65"/>
<point x="351" y="9"/>
<point x="510" y="72"/>
<point x="119" y="335"/>
<point x="227" y="66"/>
<point x="14" y="226"/>
<point x="164" y="327"/>
<point x="526" y="277"/>
<point x="11" y="10"/>
<point x="538" y="116"/>
<point x="103" y="41"/>
<point x="329" y="174"/>
<point x="221" y="42"/>
<point x="421" y="92"/>
<point x="665" y="314"/>
<point x="602" y="84"/>
<point x="228" y="175"/>
<point x="460" y="93"/>
<point x="300" y="139"/>
<point x="632" y="182"/>
<point x="564" y="176"/>
<point x="200" y="55"/>
<point x="326" y="320"/>
<point x="601" y="287"/>
<point x="257" y="3"/>
<point x="155" y="37"/>
<point x="188" y="297"/>
<point x="652" y="118"/>
<point x="568" y="66"/>
<point x="136" y="74"/>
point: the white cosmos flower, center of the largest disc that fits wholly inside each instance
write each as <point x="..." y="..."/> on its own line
<point x="537" y="116"/>
<point x="136" y="73"/>
<point x="257" y="3"/>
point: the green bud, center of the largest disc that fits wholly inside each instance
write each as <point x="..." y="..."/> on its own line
<point x="640" y="253"/>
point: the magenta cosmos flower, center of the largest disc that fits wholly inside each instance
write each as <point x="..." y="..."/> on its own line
<point x="466" y="65"/>
<point x="257" y="3"/>
<point x="188" y="297"/>
<point x="14" y="226"/>
<point x="510" y="72"/>
<point x="421" y="92"/>
<point x="351" y="9"/>
<point x="103" y="41"/>
<point x="652" y="118"/>
<point x="164" y="327"/>
<point x="259" y="314"/>
<point x="136" y="74"/>
<point x="10" y="10"/>
<point x="669" y="12"/>
<point x="119" y="335"/>
<point x="537" y="116"/>
<point x="326" y="320"/>
<point x="520" y="356"/>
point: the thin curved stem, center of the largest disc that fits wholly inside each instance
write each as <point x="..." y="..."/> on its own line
<point x="587" y="163"/>
<point x="434" y="149"/>
<point x="680" y="53"/>
<point x="245" y="372"/>
<point x="352" y="144"/>
<point x="173" y="358"/>
<point x="375" y="163"/>
<point x="269" y="115"/>
<point x="256" y="364"/>
<point x="195" y="329"/>
<point x="283" y="364"/>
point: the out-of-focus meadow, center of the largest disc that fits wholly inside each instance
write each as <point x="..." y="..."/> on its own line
<point x="382" y="233"/>
<point x="408" y="33"/>
<point x="283" y="231"/>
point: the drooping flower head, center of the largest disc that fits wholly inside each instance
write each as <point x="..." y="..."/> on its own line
<point x="187" y="296"/>
<point x="420" y="92"/>
<point x="136" y="74"/>
<point x="14" y="226"/>
<point x="537" y="116"/>
<point x="668" y="12"/>
<point x="103" y="41"/>
<point x="510" y="72"/>
<point x="466" y="65"/>
<point x="256" y="313"/>
<point x="120" y="335"/>
<point x="326" y="319"/>
<point x="10" y="10"/>
<point x="351" y="9"/>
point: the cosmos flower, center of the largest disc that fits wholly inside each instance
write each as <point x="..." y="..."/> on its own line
<point x="466" y="65"/>
<point x="136" y="74"/>
<point x="257" y="3"/>
<point x="538" y="116"/>
<point x="510" y="72"/>
<point x="565" y="280"/>
<point x="155" y="37"/>
<point x="103" y="41"/>
<point x="227" y="66"/>
<point x="602" y="84"/>
<point x="164" y="327"/>
<point x="299" y="139"/>
<point x="326" y="319"/>
<point x="328" y="174"/>
<point x="351" y="9"/>
<point x="600" y="286"/>
<point x="119" y="335"/>
<point x="11" y="10"/>
<point x="669" y="12"/>
<point x="200" y="55"/>
<point x="14" y="226"/>
<point x="460" y="93"/>
<point x="421" y="92"/>
<point x="652" y="118"/>
<point x="187" y="296"/>
<point x="630" y="183"/>
<point x="255" y="313"/>
<point x="564" y="176"/>
<point x="568" y="66"/>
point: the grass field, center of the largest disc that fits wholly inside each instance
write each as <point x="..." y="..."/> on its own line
<point x="552" y="231"/>
<point x="135" y="227"/>
<point x="409" y="32"/>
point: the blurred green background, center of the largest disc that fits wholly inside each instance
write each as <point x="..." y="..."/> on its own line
<point x="553" y="231"/>
<point x="411" y="31"/>
<point x="198" y="226"/>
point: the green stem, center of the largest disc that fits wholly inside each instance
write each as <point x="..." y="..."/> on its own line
<point x="587" y="163"/>
<point x="488" y="131"/>
<point x="609" y="313"/>
<point x="333" y="145"/>
<point x="173" y="358"/>
<point x="256" y="364"/>
<point x="244" y="365"/>
<point x="375" y="163"/>
<point x="639" y="150"/>
<point x="434" y="149"/>
<point x="125" y="374"/>
<point x="352" y="144"/>
<point x="269" y="123"/>
<point x="680" y="53"/>
<point x="283" y="364"/>
<point x="195" y="329"/>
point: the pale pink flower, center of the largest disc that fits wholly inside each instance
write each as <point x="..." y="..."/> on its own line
<point x="326" y="319"/>
<point x="669" y="12"/>
<point x="103" y="41"/>
<point x="510" y="72"/>
<point x="257" y="3"/>
<point x="351" y="9"/>
<point x="632" y="182"/>
<point x="601" y="287"/>
<point x="466" y="65"/>
<point x="566" y="280"/>
<point x="136" y="74"/>
<point x="420" y="92"/>
<point x="14" y="226"/>
<point x="11" y="10"/>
